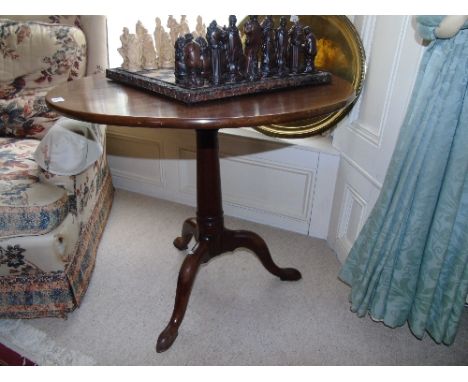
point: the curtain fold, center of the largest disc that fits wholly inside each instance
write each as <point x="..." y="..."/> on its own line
<point x="410" y="261"/>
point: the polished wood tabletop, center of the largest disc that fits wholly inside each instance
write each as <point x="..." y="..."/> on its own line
<point x="100" y="100"/>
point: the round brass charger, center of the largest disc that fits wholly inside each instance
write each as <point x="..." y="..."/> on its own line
<point x="340" y="51"/>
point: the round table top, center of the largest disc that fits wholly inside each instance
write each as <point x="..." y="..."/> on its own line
<point x="100" y="100"/>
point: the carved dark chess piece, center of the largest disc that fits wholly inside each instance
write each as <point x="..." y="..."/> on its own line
<point x="193" y="63"/>
<point x="234" y="52"/>
<point x="205" y="58"/>
<point x="268" y="63"/>
<point x="296" y="48"/>
<point x="216" y="40"/>
<point x="310" y="50"/>
<point x="281" y="48"/>
<point x="253" y="43"/>
<point x="180" y="71"/>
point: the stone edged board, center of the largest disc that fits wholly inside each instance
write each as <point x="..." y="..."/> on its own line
<point x="162" y="82"/>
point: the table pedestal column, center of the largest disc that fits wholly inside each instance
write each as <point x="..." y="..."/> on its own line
<point x="210" y="234"/>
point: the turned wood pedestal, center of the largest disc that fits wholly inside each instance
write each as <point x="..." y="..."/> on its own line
<point x="212" y="237"/>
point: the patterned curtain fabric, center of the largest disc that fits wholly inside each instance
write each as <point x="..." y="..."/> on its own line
<point x="410" y="261"/>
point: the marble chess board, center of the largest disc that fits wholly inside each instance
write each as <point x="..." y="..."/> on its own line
<point x="162" y="82"/>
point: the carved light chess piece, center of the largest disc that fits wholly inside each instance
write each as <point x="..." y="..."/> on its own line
<point x="123" y="50"/>
<point x="310" y="50"/>
<point x="180" y="70"/>
<point x="253" y="42"/>
<point x="268" y="62"/>
<point x="200" y="28"/>
<point x="158" y="31"/>
<point x="149" y="59"/>
<point x="215" y="37"/>
<point x="193" y="63"/>
<point x="183" y="26"/>
<point x="281" y="50"/>
<point x="134" y="53"/>
<point x="296" y="46"/>
<point x="166" y="55"/>
<point x="174" y="28"/>
<point x="235" y="53"/>
<point x="205" y="58"/>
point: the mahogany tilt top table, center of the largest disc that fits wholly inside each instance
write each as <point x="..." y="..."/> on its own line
<point x="99" y="100"/>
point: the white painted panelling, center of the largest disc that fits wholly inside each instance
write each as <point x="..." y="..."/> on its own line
<point x="265" y="181"/>
<point x="145" y="173"/>
<point x="352" y="216"/>
<point x="325" y="179"/>
<point x="366" y="139"/>
<point x="256" y="184"/>
<point x="355" y="196"/>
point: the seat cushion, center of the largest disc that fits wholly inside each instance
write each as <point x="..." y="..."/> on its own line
<point x="27" y="207"/>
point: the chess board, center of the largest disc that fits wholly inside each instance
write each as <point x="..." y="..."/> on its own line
<point x="162" y="82"/>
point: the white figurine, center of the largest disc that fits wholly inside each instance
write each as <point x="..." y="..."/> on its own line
<point x="183" y="26"/>
<point x="200" y="28"/>
<point x="174" y="29"/>
<point x="158" y="31"/>
<point x="134" y="53"/>
<point x="124" y="49"/>
<point x="166" y="54"/>
<point x="148" y="53"/>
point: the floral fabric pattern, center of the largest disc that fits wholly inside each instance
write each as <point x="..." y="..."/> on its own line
<point x="34" y="57"/>
<point x="16" y="160"/>
<point x="26" y="117"/>
<point x="12" y="256"/>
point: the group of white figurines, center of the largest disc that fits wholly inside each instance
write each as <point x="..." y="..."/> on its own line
<point x="139" y="51"/>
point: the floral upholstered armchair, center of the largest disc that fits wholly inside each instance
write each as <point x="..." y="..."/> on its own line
<point x="50" y="221"/>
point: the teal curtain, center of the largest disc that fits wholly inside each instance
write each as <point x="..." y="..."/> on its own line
<point x="410" y="260"/>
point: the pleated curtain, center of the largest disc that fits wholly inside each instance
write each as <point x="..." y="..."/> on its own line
<point x="409" y="263"/>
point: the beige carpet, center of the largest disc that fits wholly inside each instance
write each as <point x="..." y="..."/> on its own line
<point x="238" y="314"/>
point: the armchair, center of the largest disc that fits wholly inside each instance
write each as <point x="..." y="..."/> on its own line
<point x="50" y="225"/>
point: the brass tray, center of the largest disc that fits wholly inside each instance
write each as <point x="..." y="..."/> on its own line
<point x="340" y="52"/>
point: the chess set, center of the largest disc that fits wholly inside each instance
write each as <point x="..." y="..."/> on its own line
<point x="212" y="65"/>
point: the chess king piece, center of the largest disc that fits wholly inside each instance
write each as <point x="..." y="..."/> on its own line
<point x="268" y="61"/>
<point x="180" y="70"/>
<point x="123" y="50"/>
<point x="281" y="47"/>
<point x="193" y="63"/>
<point x="296" y="47"/>
<point x="253" y="42"/>
<point x="148" y="52"/>
<point x="215" y="37"/>
<point x="205" y="58"/>
<point x="235" y="53"/>
<point x="310" y="50"/>
<point x="174" y="28"/>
